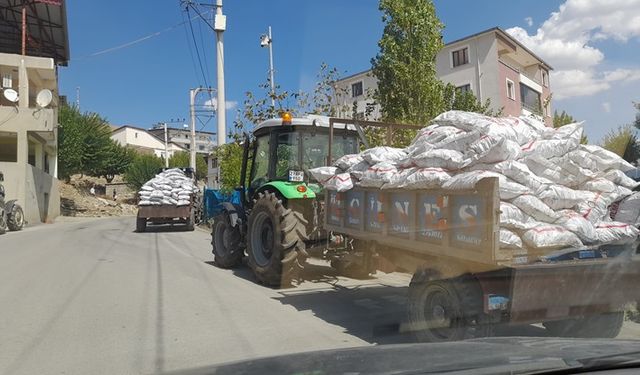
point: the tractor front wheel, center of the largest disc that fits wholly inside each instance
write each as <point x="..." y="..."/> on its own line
<point x="15" y="218"/>
<point x="226" y="241"/>
<point x="275" y="241"/>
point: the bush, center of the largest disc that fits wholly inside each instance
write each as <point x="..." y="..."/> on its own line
<point x="143" y="168"/>
<point x="183" y="160"/>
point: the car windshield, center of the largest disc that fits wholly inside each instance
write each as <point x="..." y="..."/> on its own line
<point x="171" y="200"/>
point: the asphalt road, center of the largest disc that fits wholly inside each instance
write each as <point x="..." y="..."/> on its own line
<point x="91" y="296"/>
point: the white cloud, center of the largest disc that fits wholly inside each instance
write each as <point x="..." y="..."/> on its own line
<point x="528" y="21"/>
<point x="564" y="40"/>
<point x="606" y="106"/>
<point x="213" y="104"/>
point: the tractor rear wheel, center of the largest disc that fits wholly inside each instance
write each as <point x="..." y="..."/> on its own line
<point x="275" y="241"/>
<point x="15" y="218"/>
<point x="226" y="241"/>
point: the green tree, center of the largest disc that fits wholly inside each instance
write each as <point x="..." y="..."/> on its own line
<point x="83" y="142"/>
<point x="230" y="158"/>
<point x="408" y="88"/>
<point x="114" y="160"/>
<point x="562" y="119"/>
<point x="454" y="99"/>
<point x="183" y="160"/>
<point x="623" y="142"/>
<point x="143" y="168"/>
<point x="636" y="123"/>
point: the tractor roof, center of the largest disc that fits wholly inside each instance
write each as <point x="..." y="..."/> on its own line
<point x="308" y="120"/>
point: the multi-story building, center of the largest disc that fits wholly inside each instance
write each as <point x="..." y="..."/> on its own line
<point x="182" y="137"/>
<point x="28" y="105"/>
<point x="143" y="141"/>
<point x="491" y="64"/>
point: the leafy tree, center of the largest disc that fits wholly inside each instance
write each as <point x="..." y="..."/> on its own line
<point x="143" y="168"/>
<point x="83" y="142"/>
<point x="230" y="158"/>
<point x="562" y="119"/>
<point x="623" y="142"/>
<point x="636" y="123"/>
<point x="408" y="88"/>
<point x="183" y="160"/>
<point x="454" y="99"/>
<point x="114" y="160"/>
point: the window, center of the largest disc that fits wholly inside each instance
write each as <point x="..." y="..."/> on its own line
<point x="545" y="78"/>
<point x="201" y="147"/>
<point x="8" y="147"/>
<point x="356" y="89"/>
<point x="46" y="162"/>
<point x="464" y="88"/>
<point x="260" y="167"/>
<point x="511" y="90"/>
<point x="32" y="154"/>
<point x="460" y="57"/>
<point x="136" y="135"/>
<point x="530" y="99"/>
<point x="286" y="154"/>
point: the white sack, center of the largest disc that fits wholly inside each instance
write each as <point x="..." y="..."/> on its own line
<point x="183" y="203"/>
<point x="458" y="142"/>
<point x="347" y="161"/>
<point x="535" y="208"/>
<point x="629" y="210"/>
<point x="467" y="180"/>
<point x="616" y="232"/>
<point x="357" y="170"/>
<point x="378" y="175"/>
<point x="606" y="159"/>
<point x="331" y="180"/>
<point x="547" y="148"/>
<point x="509" y="240"/>
<point x="550" y="236"/>
<point x="399" y="178"/>
<point x="620" y="178"/>
<point x="448" y="159"/>
<point x="426" y="178"/>
<point x="600" y="184"/>
<point x="559" y="197"/>
<point x="520" y="173"/>
<point x="467" y="121"/>
<point x="382" y="154"/>
<point x="513" y="217"/>
<point x="322" y="174"/>
<point x="592" y="211"/>
<point x="577" y="224"/>
<point x="509" y="189"/>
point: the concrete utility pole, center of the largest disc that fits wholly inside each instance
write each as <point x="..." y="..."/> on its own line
<point x="267" y="41"/>
<point x="220" y="25"/>
<point x="166" y="147"/>
<point x="193" y="93"/>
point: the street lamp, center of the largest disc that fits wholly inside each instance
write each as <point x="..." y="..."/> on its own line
<point x="267" y="41"/>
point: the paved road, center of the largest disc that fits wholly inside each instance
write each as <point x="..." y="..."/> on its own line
<point x="91" y="296"/>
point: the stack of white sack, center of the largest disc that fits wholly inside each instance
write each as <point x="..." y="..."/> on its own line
<point x="171" y="187"/>
<point x="554" y="191"/>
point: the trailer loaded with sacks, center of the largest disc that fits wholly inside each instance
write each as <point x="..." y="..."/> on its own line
<point x="499" y="220"/>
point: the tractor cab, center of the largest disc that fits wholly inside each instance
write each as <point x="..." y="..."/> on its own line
<point x="285" y="149"/>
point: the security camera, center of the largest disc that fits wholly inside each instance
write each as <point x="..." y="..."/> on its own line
<point x="265" y="40"/>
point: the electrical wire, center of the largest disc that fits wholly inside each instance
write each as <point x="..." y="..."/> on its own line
<point x="193" y="36"/>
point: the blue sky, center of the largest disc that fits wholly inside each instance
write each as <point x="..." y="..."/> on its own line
<point x="148" y="82"/>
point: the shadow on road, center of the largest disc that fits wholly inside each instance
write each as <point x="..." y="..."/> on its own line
<point x="165" y="228"/>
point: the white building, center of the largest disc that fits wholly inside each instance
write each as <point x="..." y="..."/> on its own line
<point x="492" y="64"/>
<point x="182" y="137"/>
<point x="28" y="131"/>
<point x="143" y="141"/>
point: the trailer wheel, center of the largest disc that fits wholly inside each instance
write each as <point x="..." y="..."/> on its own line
<point x="227" y="252"/>
<point x="141" y="224"/>
<point x="447" y="310"/>
<point x="598" y="326"/>
<point x="275" y="241"/>
<point x="15" y="218"/>
<point x="191" y="220"/>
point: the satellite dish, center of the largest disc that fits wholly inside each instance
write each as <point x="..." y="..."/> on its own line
<point x="44" y="98"/>
<point x="11" y="95"/>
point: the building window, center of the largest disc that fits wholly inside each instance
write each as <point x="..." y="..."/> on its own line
<point x="136" y="135"/>
<point x="545" y="78"/>
<point x="8" y="147"/>
<point x="530" y="99"/>
<point x="46" y="162"/>
<point x="201" y="147"/>
<point x="511" y="89"/>
<point x="356" y="89"/>
<point x="464" y="88"/>
<point x="460" y="57"/>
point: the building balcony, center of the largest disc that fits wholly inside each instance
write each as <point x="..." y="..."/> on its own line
<point x="30" y="119"/>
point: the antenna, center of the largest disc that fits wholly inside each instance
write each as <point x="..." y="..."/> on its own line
<point x="11" y="95"/>
<point x="44" y="98"/>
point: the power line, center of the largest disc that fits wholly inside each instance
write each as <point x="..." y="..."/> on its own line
<point x="204" y="77"/>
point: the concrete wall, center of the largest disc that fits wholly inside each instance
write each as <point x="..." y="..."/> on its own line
<point x="511" y="107"/>
<point x="481" y="72"/>
<point x="345" y="99"/>
<point x="42" y="196"/>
